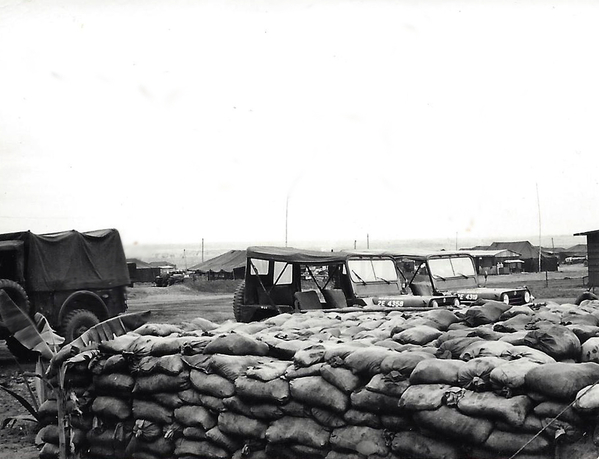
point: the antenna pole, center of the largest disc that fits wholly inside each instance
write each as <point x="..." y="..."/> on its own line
<point x="539" y="210"/>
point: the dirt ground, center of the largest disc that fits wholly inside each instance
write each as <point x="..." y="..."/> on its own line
<point x="178" y="304"/>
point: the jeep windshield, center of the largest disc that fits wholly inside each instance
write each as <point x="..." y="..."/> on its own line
<point x="453" y="272"/>
<point x="374" y="276"/>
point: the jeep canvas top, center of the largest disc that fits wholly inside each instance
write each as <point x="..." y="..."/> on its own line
<point x="284" y="279"/>
<point x="454" y="273"/>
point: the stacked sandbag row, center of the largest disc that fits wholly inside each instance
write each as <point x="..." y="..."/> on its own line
<point x="437" y="384"/>
<point x="76" y="382"/>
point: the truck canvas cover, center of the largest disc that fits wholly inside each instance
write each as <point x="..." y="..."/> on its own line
<point x="72" y="260"/>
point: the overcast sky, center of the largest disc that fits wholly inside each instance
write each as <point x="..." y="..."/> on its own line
<point x="174" y="121"/>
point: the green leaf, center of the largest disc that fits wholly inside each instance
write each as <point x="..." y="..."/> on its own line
<point x="21" y="327"/>
<point x="28" y="406"/>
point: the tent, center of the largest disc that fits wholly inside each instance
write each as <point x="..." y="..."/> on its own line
<point x="229" y="265"/>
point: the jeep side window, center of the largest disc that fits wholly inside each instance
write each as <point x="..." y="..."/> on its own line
<point x="283" y="273"/>
<point x="258" y="267"/>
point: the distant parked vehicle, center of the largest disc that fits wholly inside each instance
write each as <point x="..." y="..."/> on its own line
<point x="454" y="273"/>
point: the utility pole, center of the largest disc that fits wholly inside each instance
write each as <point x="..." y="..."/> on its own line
<point x="185" y="259"/>
<point x="202" y="250"/>
<point x="355" y="242"/>
<point x="539" y="210"/>
<point x="367" y="241"/>
<point x="286" y="218"/>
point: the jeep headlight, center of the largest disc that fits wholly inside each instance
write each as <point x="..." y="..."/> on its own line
<point x="434" y="304"/>
<point x="527" y="297"/>
<point x="505" y="298"/>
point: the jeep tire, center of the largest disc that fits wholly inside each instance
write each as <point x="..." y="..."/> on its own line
<point x="77" y="322"/>
<point x="239" y="311"/>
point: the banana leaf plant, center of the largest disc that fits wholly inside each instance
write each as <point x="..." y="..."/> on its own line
<point x="46" y="342"/>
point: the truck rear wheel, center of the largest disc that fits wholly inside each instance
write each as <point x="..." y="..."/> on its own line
<point x="240" y="313"/>
<point x="16" y="293"/>
<point x="77" y="322"/>
<point x="20" y="298"/>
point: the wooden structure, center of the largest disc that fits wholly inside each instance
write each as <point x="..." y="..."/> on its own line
<point x="592" y="256"/>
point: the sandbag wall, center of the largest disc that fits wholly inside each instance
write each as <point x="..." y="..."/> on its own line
<point x="484" y="382"/>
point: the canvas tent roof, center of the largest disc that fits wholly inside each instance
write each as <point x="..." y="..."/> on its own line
<point x="227" y="262"/>
<point x="524" y="248"/>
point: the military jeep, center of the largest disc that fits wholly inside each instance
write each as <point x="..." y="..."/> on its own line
<point x="454" y="273"/>
<point x="288" y="280"/>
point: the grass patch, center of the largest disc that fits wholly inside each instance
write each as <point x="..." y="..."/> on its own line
<point x="213" y="286"/>
<point x="569" y="287"/>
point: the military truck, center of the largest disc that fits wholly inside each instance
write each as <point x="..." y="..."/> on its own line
<point x="74" y="279"/>
<point x="454" y="273"/>
<point x="288" y="280"/>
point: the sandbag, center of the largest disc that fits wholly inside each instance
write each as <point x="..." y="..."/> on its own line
<point x="453" y="424"/>
<point x="152" y="411"/>
<point x="167" y="364"/>
<point x="211" y="384"/>
<point x="488" y="405"/>
<point x="527" y="352"/>
<point x="195" y="416"/>
<point x="418" y="446"/>
<point x="161" y="382"/>
<point x="223" y="440"/>
<point x="557" y="341"/>
<point x="404" y="362"/>
<point x="232" y="366"/>
<point x="268" y="370"/>
<point x="420" y="335"/>
<point x="374" y="402"/>
<point x="191" y="448"/>
<point x="442" y="317"/>
<point x="368" y="360"/>
<point x="147" y="430"/>
<point x="511" y="442"/>
<point x="309" y="355"/>
<point x="485" y="349"/>
<point x="441" y="371"/>
<point x="327" y="418"/>
<point x="315" y="391"/>
<point x="357" y="417"/>
<point x="342" y="378"/>
<point x="157" y="329"/>
<point x="360" y="439"/>
<point x="562" y="380"/>
<point x="485" y="314"/>
<point x="276" y="391"/>
<point x="511" y="375"/>
<point x="236" y="344"/>
<point x="423" y="397"/>
<point x="241" y="426"/>
<point x="590" y="350"/>
<point x="114" y="384"/>
<point x="298" y="430"/>
<point x="560" y="410"/>
<point x="475" y="374"/>
<point x="516" y="323"/>
<point x="453" y="348"/>
<point x="111" y="407"/>
<point x="167" y="399"/>
<point x="388" y="385"/>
